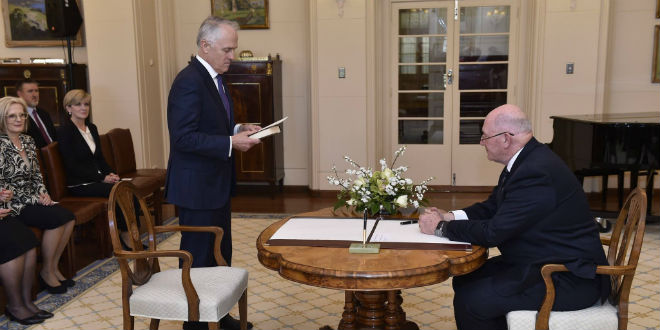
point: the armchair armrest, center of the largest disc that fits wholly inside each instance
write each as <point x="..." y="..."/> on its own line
<point x="186" y="281"/>
<point x="215" y="230"/>
<point x="543" y="316"/>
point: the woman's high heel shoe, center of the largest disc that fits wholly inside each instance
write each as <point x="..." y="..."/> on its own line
<point x="68" y="282"/>
<point x="42" y="314"/>
<point x="34" y="319"/>
<point x="52" y="289"/>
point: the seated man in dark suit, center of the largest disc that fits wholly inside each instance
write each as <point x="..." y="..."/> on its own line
<point x="537" y="214"/>
<point x="41" y="127"/>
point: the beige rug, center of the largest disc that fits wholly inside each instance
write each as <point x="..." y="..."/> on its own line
<point x="276" y="303"/>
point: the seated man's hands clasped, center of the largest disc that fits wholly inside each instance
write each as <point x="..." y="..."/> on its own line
<point x="429" y="220"/>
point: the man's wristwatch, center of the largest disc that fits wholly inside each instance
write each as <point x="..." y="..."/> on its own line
<point x="440" y="229"/>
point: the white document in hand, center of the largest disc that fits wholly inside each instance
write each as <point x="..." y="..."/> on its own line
<point x="265" y="132"/>
<point x="268" y="130"/>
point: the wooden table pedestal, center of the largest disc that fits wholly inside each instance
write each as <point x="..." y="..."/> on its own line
<point x="374" y="310"/>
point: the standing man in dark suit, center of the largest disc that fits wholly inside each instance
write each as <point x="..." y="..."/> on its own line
<point x="203" y="136"/>
<point x="537" y="214"/>
<point x="41" y="127"/>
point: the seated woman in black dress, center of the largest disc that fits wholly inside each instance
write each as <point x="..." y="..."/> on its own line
<point x="18" y="259"/>
<point x="31" y="204"/>
<point x="87" y="172"/>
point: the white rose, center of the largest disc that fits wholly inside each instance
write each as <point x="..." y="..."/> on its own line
<point x="402" y="201"/>
<point x="358" y="182"/>
<point x="351" y="201"/>
<point x="387" y="173"/>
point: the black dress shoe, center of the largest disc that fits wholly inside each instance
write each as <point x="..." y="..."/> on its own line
<point x="26" y="321"/>
<point x="42" y="314"/>
<point x="230" y="323"/>
<point x="195" y="325"/>
<point x="68" y="283"/>
<point x="52" y="289"/>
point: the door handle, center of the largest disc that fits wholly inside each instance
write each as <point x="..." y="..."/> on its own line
<point x="448" y="78"/>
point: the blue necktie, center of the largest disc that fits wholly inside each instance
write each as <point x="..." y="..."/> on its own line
<point x="223" y="96"/>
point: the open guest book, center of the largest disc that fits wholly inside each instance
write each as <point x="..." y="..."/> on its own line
<point x="341" y="232"/>
<point x="268" y="130"/>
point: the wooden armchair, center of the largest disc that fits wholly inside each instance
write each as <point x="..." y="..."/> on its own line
<point x="148" y="182"/>
<point x="85" y="209"/>
<point x="189" y="294"/>
<point x="624" y="248"/>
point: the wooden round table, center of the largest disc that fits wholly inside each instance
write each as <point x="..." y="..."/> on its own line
<point x="372" y="282"/>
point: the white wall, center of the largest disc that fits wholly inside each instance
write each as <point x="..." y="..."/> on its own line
<point x="570" y="35"/>
<point x="630" y="58"/>
<point x="340" y="105"/>
<point x="113" y="68"/>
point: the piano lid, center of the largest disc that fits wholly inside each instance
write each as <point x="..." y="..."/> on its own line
<point x="617" y="118"/>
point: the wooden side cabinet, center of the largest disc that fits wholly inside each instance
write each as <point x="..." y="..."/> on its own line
<point x="52" y="84"/>
<point x="256" y="90"/>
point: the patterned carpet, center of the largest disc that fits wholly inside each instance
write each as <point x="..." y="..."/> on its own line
<point x="276" y="303"/>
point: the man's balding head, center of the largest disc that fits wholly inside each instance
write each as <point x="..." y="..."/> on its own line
<point x="513" y="131"/>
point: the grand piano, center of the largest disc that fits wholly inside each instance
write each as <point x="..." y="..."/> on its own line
<point x="610" y="144"/>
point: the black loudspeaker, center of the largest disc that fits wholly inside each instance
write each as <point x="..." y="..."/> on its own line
<point x="63" y="17"/>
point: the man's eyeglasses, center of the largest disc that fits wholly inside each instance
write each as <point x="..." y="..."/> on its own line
<point x="15" y="116"/>
<point x="492" y="136"/>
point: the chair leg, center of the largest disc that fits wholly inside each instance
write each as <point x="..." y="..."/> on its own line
<point x="620" y="188"/>
<point x="214" y="325"/>
<point x="129" y="321"/>
<point x="103" y="235"/>
<point x="605" y="178"/>
<point x="242" y="310"/>
<point x="153" y="325"/>
<point x="649" y="191"/>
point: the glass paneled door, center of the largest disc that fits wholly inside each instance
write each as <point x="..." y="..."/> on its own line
<point x="450" y="69"/>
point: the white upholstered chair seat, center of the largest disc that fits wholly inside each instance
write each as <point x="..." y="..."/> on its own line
<point x="597" y="317"/>
<point x="219" y="288"/>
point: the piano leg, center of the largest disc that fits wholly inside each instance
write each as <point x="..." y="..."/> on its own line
<point x="605" y="178"/>
<point x="620" y="188"/>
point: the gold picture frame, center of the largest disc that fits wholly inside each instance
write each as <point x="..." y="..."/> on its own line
<point x="249" y="14"/>
<point x="656" y="55"/>
<point x="27" y="26"/>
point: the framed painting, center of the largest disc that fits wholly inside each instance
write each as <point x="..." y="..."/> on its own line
<point x="249" y="14"/>
<point x="26" y="25"/>
<point x="656" y="55"/>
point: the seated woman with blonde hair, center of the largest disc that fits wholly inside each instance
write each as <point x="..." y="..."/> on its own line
<point x="87" y="172"/>
<point x="30" y="202"/>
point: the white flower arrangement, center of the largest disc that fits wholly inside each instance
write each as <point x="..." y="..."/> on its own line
<point x="372" y="190"/>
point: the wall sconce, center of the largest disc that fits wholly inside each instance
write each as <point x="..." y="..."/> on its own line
<point x="340" y="8"/>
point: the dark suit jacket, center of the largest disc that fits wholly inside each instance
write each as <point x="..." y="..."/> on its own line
<point x="540" y="216"/>
<point x="35" y="133"/>
<point x="200" y="172"/>
<point x="80" y="164"/>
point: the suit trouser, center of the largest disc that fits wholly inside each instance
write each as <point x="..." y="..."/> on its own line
<point x="200" y="245"/>
<point x="479" y="304"/>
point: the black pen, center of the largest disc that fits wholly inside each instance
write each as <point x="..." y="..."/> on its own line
<point x="409" y="222"/>
<point x="364" y="228"/>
